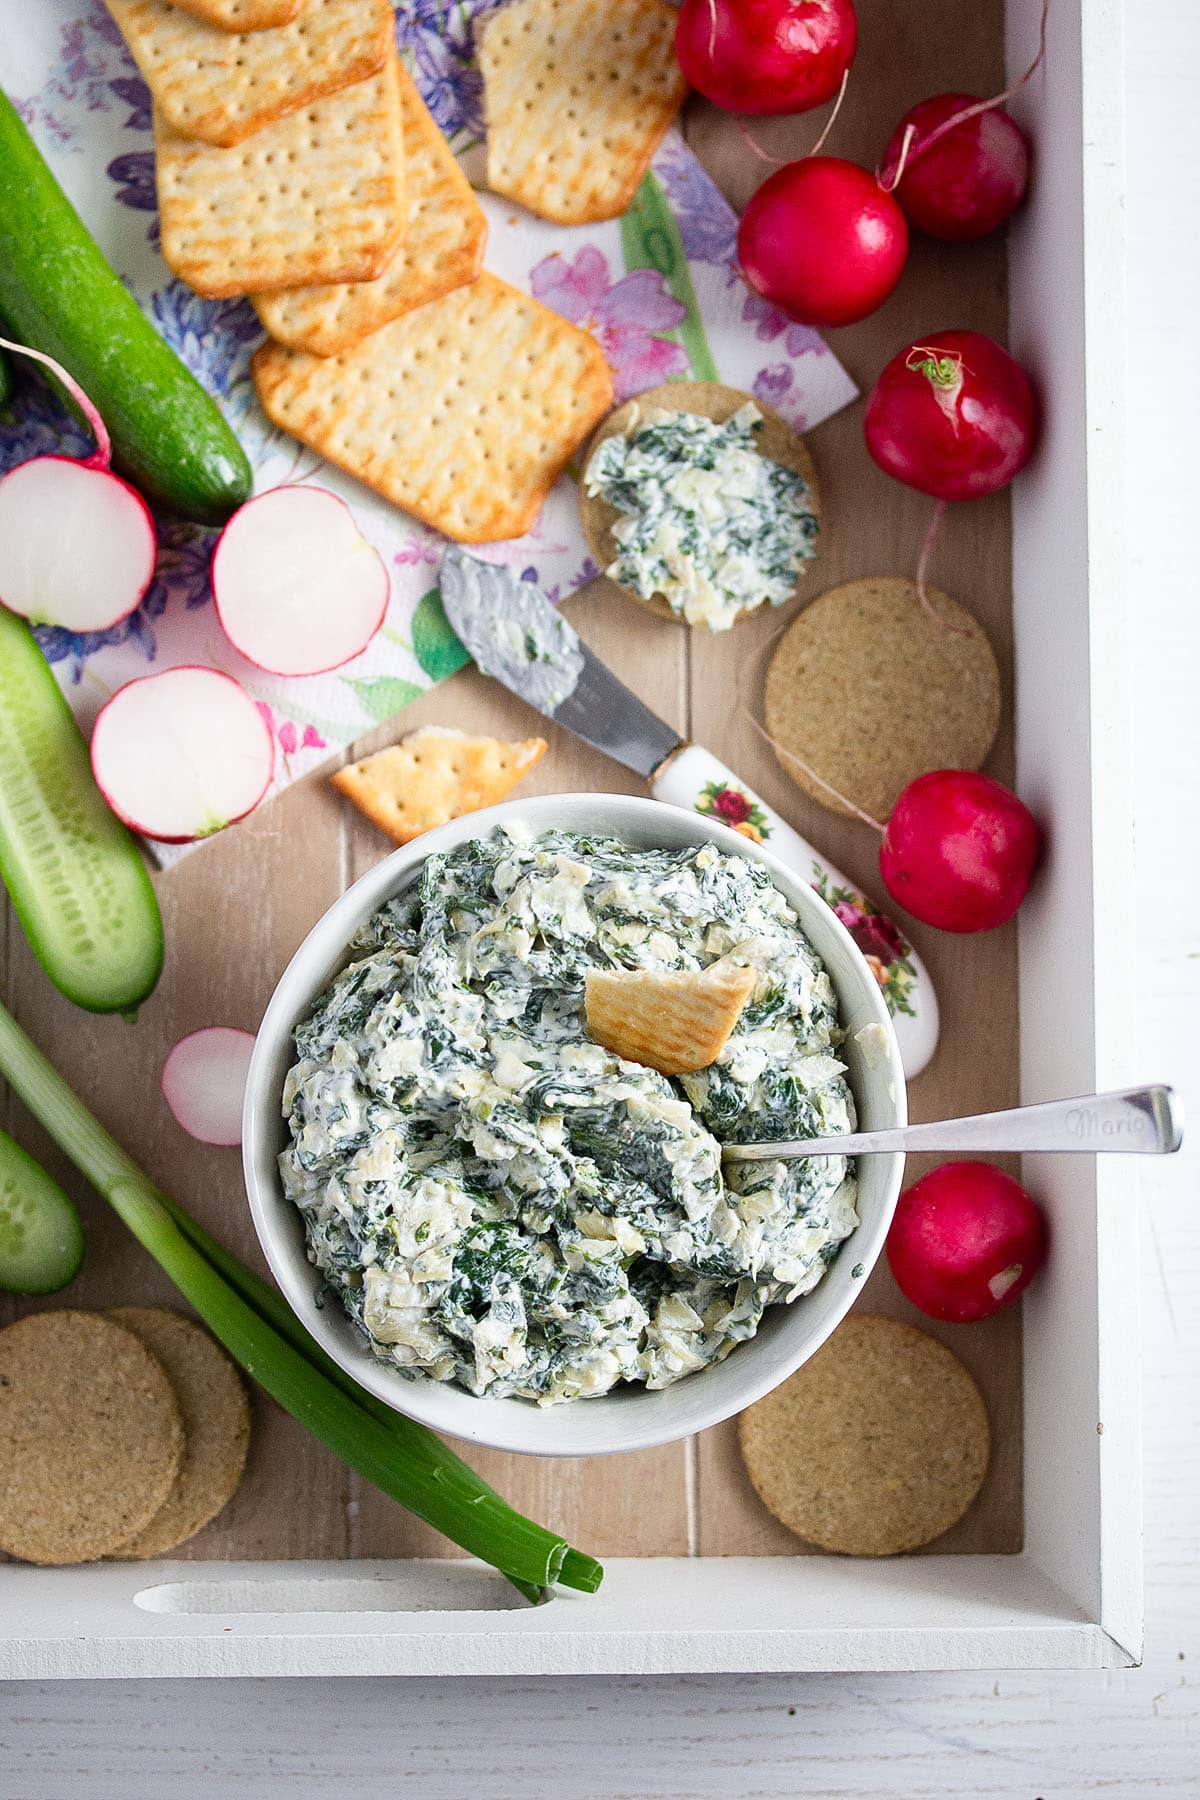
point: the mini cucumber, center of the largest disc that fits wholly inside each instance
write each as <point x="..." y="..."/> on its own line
<point x="60" y="295"/>
<point x="74" y="874"/>
<point x="41" y="1239"/>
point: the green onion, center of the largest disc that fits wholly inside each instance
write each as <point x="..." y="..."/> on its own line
<point x="264" y="1336"/>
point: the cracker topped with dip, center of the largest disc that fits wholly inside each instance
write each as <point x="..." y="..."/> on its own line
<point x="701" y="502"/>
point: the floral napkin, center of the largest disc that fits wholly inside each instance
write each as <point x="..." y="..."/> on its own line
<point x="658" y="289"/>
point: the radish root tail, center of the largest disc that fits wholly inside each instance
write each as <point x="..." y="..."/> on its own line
<point x="927" y="606"/>
<point x="909" y="152"/>
<point x="782" y="751"/>
<point x="765" y="155"/>
<point x="101" y="456"/>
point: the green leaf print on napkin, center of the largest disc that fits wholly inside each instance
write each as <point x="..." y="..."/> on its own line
<point x="434" y="644"/>
<point x="383" y="695"/>
<point x="650" y="240"/>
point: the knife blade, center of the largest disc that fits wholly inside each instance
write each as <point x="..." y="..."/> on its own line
<point x="517" y="636"/>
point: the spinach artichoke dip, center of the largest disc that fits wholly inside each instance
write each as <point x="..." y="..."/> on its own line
<point x="498" y="1201"/>
<point x="711" y="525"/>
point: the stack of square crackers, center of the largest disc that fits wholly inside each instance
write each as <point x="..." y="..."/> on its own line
<point x="297" y="164"/>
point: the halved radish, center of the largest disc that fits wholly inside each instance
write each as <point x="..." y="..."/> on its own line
<point x="182" y="754"/>
<point x="77" y="543"/>
<point x="297" y="586"/>
<point x="204" y="1082"/>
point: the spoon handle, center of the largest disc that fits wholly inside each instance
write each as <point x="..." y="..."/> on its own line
<point x="1146" y="1121"/>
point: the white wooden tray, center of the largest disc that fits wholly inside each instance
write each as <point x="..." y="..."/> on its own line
<point x="306" y="1573"/>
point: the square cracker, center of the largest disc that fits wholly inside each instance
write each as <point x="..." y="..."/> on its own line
<point x="675" y="1021"/>
<point x="223" y="86"/>
<point x="316" y="196"/>
<point x="464" y="412"/>
<point x="442" y="250"/>
<point x="432" y="776"/>
<point x="242" y="15"/>
<point x="578" y="95"/>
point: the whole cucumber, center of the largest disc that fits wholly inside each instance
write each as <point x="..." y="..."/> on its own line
<point x="60" y="296"/>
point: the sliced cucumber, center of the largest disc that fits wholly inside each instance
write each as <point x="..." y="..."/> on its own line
<point x="75" y="875"/>
<point x="41" y="1239"/>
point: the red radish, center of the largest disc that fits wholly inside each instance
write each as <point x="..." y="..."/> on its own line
<point x="298" y="588"/>
<point x="182" y="754"/>
<point x="963" y="181"/>
<point x="822" y="240"/>
<point x="965" y="1242"/>
<point x="959" y="850"/>
<point x="204" y="1083"/>
<point x="953" y="416"/>
<point x="766" y="56"/>
<point x="77" y="544"/>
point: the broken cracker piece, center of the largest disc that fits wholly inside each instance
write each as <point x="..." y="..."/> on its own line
<point x="223" y="86"/>
<point x="464" y="412"/>
<point x="442" y="250"/>
<point x="435" y="775"/>
<point x="578" y="95"/>
<point x="675" y="1022"/>
<point x="317" y="196"/>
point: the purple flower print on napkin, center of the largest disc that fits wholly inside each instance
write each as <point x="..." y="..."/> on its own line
<point x="134" y="176"/>
<point x="623" y="316"/>
<point x="707" y="223"/>
<point x="75" y="648"/>
<point x="136" y="95"/>
<point x="777" y="384"/>
<point x="213" y="337"/>
<point x="770" y="324"/>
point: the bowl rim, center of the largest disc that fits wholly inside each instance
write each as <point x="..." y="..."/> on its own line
<point x="647" y="1418"/>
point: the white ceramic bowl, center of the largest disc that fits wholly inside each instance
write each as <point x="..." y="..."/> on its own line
<point x="628" y="1418"/>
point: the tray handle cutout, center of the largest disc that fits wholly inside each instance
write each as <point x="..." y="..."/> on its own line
<point x="421" y="1587"/>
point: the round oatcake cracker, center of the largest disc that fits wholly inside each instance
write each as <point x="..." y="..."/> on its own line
<point x="775" y="440"/>
<point x="870" y="690"/>
<point x="90" y="1437"/>
<point x="877" y="1445"/>
<point x="216" y="1423"/>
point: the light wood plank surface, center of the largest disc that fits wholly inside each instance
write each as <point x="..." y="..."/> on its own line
<point x="236" y="908"/>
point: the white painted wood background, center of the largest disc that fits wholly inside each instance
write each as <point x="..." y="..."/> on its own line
<point x="858" y="1737"/>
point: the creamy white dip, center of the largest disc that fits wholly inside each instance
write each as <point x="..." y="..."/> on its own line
<point x="710" y="524"/>
<point x="500" y="1202"/>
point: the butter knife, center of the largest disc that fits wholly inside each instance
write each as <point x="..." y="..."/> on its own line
<point x="515" y="635"/>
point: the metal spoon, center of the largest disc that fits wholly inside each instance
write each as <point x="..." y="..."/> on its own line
<point x="1145" y="1121"/>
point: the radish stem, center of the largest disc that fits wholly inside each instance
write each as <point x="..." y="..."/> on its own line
<point x="101" y="456"/>
<point x="889" y="181"/>
<point x="400" y="1457"/>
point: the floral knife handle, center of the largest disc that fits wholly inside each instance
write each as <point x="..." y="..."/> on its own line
<point x="697" y="781"/>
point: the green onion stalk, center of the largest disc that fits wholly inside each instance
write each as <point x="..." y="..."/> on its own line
<point x="264" y="1336"/>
